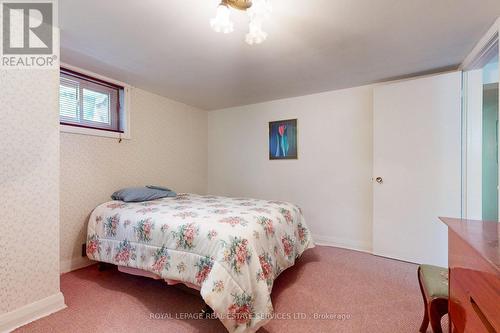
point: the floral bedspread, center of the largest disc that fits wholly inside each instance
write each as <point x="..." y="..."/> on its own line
<point x="232" y="248"/>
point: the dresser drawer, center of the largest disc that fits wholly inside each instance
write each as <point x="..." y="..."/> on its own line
<point x="474" y="289"/>
<point x="474" y="301"/>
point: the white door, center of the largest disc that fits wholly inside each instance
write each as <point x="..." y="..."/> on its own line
<point x="417" y="155"/>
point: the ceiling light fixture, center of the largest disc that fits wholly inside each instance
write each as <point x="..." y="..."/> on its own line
<point x="258" y="11"/>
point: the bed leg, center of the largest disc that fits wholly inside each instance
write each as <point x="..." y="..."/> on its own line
<point x="103" y="266"/>
<point x="207" y="312"/>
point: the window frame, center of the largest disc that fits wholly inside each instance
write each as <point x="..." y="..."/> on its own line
<point x="123" y="106"/>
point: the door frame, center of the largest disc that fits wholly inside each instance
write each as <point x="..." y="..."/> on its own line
<point x="473" y="60"/>
<point x="479" y="50"/>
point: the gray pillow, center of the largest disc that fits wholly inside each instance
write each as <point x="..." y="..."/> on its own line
<point x="138" y="194"/>
<point x="161" y="188"/>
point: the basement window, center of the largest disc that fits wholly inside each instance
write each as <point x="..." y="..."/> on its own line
<point x="91" y="105"/>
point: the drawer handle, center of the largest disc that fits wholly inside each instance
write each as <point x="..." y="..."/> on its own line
<point x="481" y="315"/>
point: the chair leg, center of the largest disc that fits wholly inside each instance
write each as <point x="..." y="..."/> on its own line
<point x="437" y="309"/>
<point x="425" y="321"/>
<point x="436" y="324"/>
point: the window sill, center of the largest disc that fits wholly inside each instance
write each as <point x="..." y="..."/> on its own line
<point x="93" y="132"/>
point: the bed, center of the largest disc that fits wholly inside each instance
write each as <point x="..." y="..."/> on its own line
<point x="230" y="249"/>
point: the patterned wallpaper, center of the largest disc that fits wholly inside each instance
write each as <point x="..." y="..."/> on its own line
<point x="168" y="147"/>
<point x="29" y="183"/>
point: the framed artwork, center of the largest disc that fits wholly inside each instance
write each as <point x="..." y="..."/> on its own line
<point x="283" y="139"/>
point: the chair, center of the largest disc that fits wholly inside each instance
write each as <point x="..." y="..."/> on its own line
<point x="433" y="283"/>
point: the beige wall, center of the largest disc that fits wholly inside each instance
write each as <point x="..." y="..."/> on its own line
<point x="29" y="205"/>
<point x="168" y="147"/>
<point x="331" y="180"/>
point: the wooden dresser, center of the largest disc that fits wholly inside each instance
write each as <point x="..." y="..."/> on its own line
<point x="474" y="261"/>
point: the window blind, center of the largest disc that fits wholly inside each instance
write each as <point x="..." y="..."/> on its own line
<point x="85" y="101"/>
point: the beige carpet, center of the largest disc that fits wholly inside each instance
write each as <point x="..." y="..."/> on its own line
<point x="329" y="290"/>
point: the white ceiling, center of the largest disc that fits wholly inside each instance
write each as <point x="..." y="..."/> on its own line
<point x="168" y="47"/>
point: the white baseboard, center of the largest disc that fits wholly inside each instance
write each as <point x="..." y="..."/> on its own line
<point x="11" y="320"/>
<point x="66" y="266"/>
<point x="342" y="243"/>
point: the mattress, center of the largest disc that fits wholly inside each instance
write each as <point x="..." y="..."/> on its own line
<point x="231" y="249"/>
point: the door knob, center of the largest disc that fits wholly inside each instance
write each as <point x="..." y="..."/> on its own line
<point x="379" y="180"/>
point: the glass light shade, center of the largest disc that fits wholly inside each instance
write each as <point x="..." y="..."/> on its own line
<point x="256" y="35"/>
<point x="222" y="22"/>
<point x="258" y="13"/>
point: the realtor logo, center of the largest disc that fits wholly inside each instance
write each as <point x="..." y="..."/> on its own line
<point x="28" y="34"/>
<point x="27" y="28"/>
